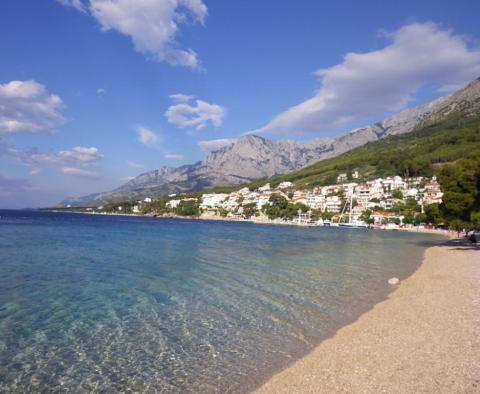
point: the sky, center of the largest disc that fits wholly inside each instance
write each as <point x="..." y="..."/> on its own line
<point x="95" y="92"/>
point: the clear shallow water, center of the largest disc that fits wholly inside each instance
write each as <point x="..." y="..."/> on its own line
<point x="104" y="304"/>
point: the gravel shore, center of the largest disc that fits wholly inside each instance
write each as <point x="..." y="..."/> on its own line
<point x="425" y="338"/>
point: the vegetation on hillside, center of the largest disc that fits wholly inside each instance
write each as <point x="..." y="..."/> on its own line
<point x="460" y="183"/>
<point x="419" y="153"/>
<point x="280" y="207"/>
<point x="449" y="149"/>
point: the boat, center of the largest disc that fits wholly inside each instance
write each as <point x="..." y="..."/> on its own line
<point x="352" y="223"/>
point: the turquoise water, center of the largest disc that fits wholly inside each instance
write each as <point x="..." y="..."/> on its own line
<point x="105" y="304"/>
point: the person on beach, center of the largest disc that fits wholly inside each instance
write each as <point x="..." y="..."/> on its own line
<point x="473" y="238"/>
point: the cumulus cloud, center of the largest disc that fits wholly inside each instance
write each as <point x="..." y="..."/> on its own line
<point x="79" y="156"/>
<point x="147" y="137"/>
<point x="181" y="98"/>
<point x="152" y="25"/>
<point x="81" y="172"/>
<point x="27" y="107"/>
<point x="382" y="81"/>
<point x="133" y="164"/>
<point x="213" y="145"/>
<point x="173" y="156"/>
<point x="195" y="115"/>
<point x="101" y="91"/>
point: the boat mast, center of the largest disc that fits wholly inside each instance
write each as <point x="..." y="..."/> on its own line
<point x="350" y="212"/>
<point x="343" y="211"/>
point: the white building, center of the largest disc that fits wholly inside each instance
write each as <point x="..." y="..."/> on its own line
<point x="285" y="185"/>
<point x="396" y="183"/>
<point x="333" y="204"/>
<point x="349" y="188"/>
<point x="172" y="204"/>
<point x="316" y="201"/>
<point x="264" y="188"/>
<point x="342" y="178"/>
<point x="213" y="200"/>
<point x="261" y="201"/>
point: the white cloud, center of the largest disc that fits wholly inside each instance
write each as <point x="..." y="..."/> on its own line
<point x="198" y="115"/>
<point x="101" y="91"/>
<point x="27" y="107"/>
<point x="133" y="164"/>
<point x="181" y="98"/>
<point x="147" y="137"/>
<point x="80" y="154"/>
<point x="81" y="172"/>
<point x="382" y="81"/>
<point x="173" y="156"/>
<point x="77" y="4"/>
<point x="213" y="145"/>
<point x="151" y="24"/>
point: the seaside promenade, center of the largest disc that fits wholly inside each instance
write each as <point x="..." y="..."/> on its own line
<point x="425" y="338"/>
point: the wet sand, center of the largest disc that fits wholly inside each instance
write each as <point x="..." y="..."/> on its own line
<point x="425" y="338"/>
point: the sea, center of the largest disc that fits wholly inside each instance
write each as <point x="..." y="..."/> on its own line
<point x="93" y="303"/>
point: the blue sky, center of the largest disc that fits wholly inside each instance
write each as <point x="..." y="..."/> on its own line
<point x="93" y="92"/>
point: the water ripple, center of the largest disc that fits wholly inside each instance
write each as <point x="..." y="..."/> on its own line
<point x="105" y="304"/>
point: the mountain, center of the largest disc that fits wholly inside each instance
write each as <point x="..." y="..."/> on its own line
<point x="453" y="139"/>
<point x="252" y="157"/>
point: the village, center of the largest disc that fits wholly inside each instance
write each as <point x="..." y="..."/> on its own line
<point x="389" y="202"/>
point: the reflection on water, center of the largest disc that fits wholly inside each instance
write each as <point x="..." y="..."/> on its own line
<point x="110" y="303"/>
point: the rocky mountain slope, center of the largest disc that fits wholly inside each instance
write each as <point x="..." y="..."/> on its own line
<point x="252" y="157"/>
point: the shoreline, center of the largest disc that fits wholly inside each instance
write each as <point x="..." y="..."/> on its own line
<point x="424" y="337"/>
<point x="413" y="229"/>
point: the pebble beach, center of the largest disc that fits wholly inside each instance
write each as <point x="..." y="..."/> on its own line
<point x="425" y="338"/>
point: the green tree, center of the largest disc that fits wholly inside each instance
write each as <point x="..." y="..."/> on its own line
<point x="250" y="209"/>
<point x="188" y="208"/>
<point x="460" y="183"/>
<point x="433" y="214"/>
<point x="475" y="219"/>
<point x="397" y="194"/>
<point x="276" y="204"/>
<point x="223" y="212"/>
<point x="366" y="216"/>
<point x="327" y="215"/>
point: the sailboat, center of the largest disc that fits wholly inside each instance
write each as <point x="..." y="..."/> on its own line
<point x="352" y="223"/>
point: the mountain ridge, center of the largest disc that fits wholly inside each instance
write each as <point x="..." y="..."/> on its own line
<point x="254" y="157"/>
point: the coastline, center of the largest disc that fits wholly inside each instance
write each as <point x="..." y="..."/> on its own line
<point x="423" y="338"/>
<point x="261" y="221"/>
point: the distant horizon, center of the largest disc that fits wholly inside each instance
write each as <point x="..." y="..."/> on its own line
<point x="88" y="101"/>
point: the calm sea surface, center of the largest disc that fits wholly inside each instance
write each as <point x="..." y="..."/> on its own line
<point x="106" y="304"/>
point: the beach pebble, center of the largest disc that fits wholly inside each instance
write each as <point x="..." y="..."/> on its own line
<point x="393" y="281"/>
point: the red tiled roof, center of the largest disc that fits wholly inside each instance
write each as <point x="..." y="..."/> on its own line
<point x="382" y="213"/>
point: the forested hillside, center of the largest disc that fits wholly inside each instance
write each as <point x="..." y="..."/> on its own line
<point x="422" y="152"/>
<point x="449" y="149"/>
